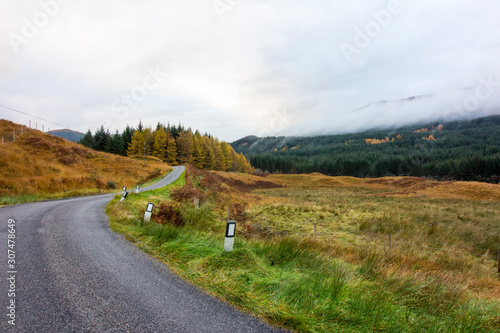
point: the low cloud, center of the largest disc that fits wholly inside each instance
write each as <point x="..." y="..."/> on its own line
<point x="268" y="67"/>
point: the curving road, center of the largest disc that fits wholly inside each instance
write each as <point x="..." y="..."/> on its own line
<point x="74" y="274"/>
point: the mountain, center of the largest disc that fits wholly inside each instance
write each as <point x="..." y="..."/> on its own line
<point x="460" y="150"/>
<point x="68" y="134"/>
<point x="403" y="100"/>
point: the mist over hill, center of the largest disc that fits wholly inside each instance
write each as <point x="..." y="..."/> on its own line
<point x="461" y="150"/>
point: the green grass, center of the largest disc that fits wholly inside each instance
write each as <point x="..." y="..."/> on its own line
<point x="307" y="285"/>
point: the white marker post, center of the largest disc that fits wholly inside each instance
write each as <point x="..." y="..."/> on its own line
<point x="147" y="214"/>
<point x="137" y="189"/>
<point x="124" y="196"/>
<point x="230" y="232"/>
<point x="124" y="189"/>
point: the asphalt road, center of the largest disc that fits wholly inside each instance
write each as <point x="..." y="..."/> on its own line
<point x="74" y="274"/>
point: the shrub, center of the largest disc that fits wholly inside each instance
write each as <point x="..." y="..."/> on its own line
<point x="187" y="193"/>
<point x="112" y="185"/>
<point x="169" y="213"/>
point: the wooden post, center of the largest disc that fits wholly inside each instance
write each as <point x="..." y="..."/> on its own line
<point x="315" y="230"/>
<point x="196" y="203"/>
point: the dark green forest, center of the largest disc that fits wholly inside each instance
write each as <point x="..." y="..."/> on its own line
<point x="458" y="150"/>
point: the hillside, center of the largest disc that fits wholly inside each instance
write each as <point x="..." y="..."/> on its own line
<point x="460" y="150"/>
<point x="68" y="134"/>
<point x="315" y="253"/>
<point x="39" y="164"/>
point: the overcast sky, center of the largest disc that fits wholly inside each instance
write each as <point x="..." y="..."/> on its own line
<point x="239" y="67"/>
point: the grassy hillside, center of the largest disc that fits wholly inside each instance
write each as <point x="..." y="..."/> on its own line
<point x="388" y="255"/>
<point x="37" y="165"/>
<point x="460" y="150"/>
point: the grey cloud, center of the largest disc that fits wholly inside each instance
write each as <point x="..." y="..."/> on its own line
<point x="229" y="77"/>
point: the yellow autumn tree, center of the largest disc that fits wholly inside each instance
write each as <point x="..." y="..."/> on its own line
<point x="185" y="147"/>
<point x="171" y="153"/>
<point x="136" y="146"/>
<point x="198" y="152"/>
<point x="226" y="152"/>
<point x="160" y="144"/>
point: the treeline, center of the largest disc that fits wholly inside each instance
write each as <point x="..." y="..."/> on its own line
<point x="460" y="150"/>
<point x="172" y="144"/>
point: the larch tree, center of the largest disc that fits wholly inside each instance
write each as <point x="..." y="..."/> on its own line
<point x="136" y="146"/>
<point x="198" y="153"/>
<point x="209" y="162"/>
<point x="226" y="152"/>
<point x="220" y="164"/>
<point x="171" y="157"/>
<point x="160" y="144"/>
<point x="185" y="147"/>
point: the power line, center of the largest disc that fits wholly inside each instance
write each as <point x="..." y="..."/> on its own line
<point x="52" y="122"/>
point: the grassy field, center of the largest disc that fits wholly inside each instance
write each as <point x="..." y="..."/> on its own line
<point x="37" y="166"/>
<point x="437" y="275"/>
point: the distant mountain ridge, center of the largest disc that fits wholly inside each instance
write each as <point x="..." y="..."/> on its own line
<point x="404" y="100"/>
<point x="70" y="135"/>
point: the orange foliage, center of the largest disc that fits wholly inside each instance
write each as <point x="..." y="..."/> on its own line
<point x="377" y="141"/>
<point x="429" y="138"/>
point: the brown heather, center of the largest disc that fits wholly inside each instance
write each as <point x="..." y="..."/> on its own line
<point x="39" y="164"/>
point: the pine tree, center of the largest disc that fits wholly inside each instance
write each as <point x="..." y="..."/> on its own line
<point x="126" y="138"/>
<point x="116" y="144"/>
<point x="88" y="140"/>
<point x="160" y="144"/>
<point x="101" y="139"/>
